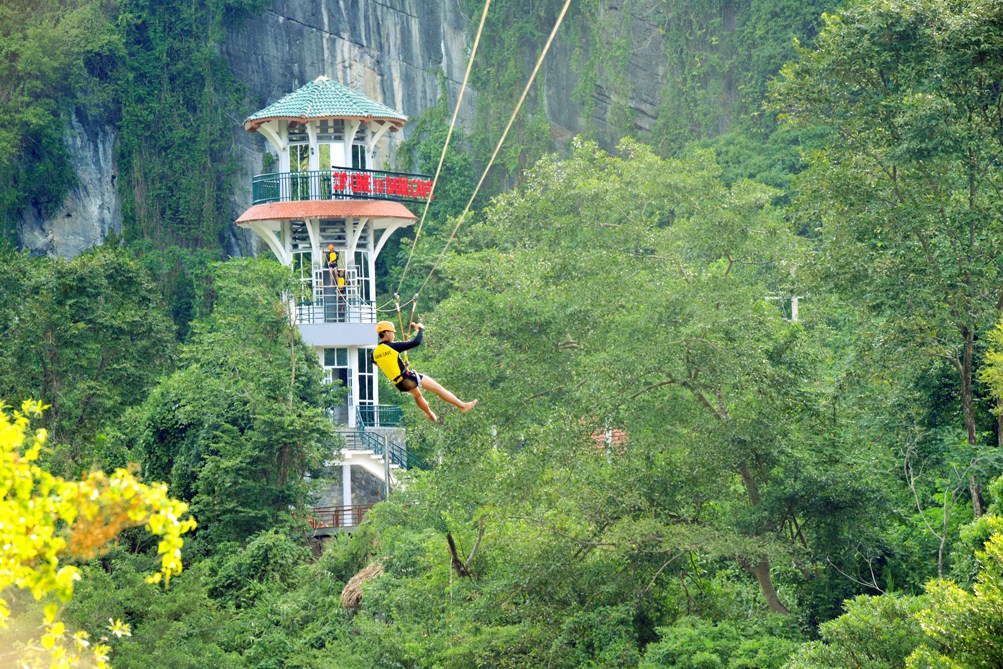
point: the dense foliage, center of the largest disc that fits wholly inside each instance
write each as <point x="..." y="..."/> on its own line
<point x="46" y="521"/>
<point x="740" y="386"/>
<point x="89" y="336"/>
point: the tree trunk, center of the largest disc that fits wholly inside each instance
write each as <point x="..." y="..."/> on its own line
<point x="973" y="487"/>
<point x="750" y="485"/>
<point x="968" y="406"/>
<point x="761" y="571"/>
<point x="967" y="392"/>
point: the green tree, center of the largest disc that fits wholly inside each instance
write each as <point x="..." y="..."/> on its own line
<point x="693" y="643"/>
<point x="240" y="423"/>
<point x="904" y="195"/>
<point x="54" y="62"/>
<point x="628" y="293"/>
<point x="176" y="628"/>
<point x="648" y="443"/>
<point x="87" y="336"/>
<point x="966" y="628"/>
<point x="874" y="632"/>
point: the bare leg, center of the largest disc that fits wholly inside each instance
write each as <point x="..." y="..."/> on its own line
<point x="435" y="387"/>
<point x="423" y="405"/>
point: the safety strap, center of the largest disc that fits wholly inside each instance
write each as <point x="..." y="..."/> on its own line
<point x="400" y="320"/>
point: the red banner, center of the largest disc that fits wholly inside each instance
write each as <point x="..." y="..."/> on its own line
<point x="380" y="185"/>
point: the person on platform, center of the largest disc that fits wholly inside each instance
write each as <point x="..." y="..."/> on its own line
<point x="387" y="357"/>
<point x="331" y="261"/>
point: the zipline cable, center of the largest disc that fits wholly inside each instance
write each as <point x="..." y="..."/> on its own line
<point x="494" y="155"/>
<point x="449" y="135"/>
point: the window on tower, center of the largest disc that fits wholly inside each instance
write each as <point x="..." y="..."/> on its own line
<point x="359" y="157"/>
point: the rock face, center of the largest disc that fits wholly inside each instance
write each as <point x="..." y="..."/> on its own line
<point x="91" y="209"/>
<point x="630" y="87"/>
<point x="394" y="51"/>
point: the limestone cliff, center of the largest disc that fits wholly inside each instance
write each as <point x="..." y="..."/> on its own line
<point x="91" y="209"/>
<point x="605" y="75"/>
<point x="394" y="52"/>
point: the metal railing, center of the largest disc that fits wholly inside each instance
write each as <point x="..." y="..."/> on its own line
<point x="321" y="301"/>
<point x="379" y="444"/>
<point x="340" y="183"/>
<point x="398" y="453"/>
<point x="379" y="415"/>
<point x="335" y="517"/>
<point x="382" y="445"/>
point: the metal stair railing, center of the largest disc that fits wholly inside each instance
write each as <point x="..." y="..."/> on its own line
<point x="373" y="442"/>
<point x="352" y="440"/>
<point x="380" y="444"/>
<point x="398" y="453"/>
<point x="337" y="517"/>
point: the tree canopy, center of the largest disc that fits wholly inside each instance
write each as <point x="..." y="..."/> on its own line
<point x="739" y="389"/>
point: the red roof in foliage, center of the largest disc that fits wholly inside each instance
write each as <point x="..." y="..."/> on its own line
<point x="615" y="439"/>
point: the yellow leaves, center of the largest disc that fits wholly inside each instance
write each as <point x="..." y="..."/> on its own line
<point x="44" y="518"/>
<point x="66" y="577"/>
<point x="53" y="635"/>
<point x="119" y="628"/>
<point x="56" y="649"/>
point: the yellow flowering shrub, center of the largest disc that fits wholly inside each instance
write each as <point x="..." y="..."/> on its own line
<point x="45" y="519"/>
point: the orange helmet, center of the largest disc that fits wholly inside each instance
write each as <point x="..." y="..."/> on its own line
<point x="385" y="326"/>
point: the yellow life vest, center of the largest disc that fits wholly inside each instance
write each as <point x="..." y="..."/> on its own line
<point x="389" y="361"/>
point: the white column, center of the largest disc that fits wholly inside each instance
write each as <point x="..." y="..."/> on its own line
<point x="285" y="191"/>
<point x="282" y="145"/>
<point x="371" y="256"/>
<point x="346" y="487"/>
<point x="313" y="160"/>
<point x="351" y="127"/>
<point x="353" y="379"/>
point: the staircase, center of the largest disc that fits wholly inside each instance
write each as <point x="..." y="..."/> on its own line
<point x="368" y="449"/>
<point x="377" y="450"/>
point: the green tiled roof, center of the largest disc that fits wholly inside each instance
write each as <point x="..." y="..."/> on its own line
<point x="324" y="98"/>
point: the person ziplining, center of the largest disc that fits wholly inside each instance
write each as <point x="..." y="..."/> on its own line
<point x="387" y="356"/>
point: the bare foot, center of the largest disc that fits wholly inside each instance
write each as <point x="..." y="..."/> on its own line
<point x="432" y="417"/>
<point x="467" y="406"/>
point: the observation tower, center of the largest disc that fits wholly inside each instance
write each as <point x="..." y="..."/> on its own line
<point x="324" y="190"/>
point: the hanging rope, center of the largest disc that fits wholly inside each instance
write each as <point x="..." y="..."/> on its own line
<point x="400" y="320"/>
<point x="397" y="304"/>
<point x="449" y="135"/>
<point x="381" y="310"/>
<point x="410" y="324"/>
<point x="494" y="155"/>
